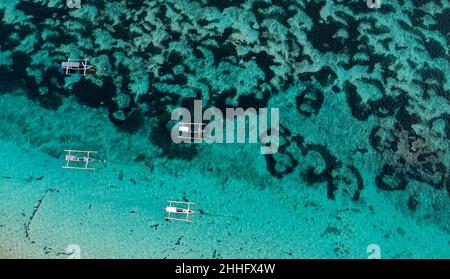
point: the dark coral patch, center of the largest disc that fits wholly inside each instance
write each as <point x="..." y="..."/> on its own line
<point x="223" y="4"/>
<point x="40" y="12"/>
<point x="359" y="110"/>
<point x="325" y="76"/>
<point x="131" y="123"/>
<point x="280" y="164"/>
<point x="434" y="48"/>
<point x="391" y="179"/>
<point x="312" y="175"/>
<point x="382" y="139"/>
<point x="430" y="172"/>
<point x="443" y="23"/>
<point x="322" y="35"/>
<point x="93" y="95"/>
<point x="359" y="181"/>
<point x="412" y="203"/>
<point x="309" y="101"/>
<point x="264" y="62"/>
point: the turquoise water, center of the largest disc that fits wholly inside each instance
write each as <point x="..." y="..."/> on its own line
<point x="363" y="96"/>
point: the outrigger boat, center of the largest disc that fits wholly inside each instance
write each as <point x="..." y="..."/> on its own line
<point x="77" y="67"/>
<point x="191" y="131"/>
<point x="172" y="210"/>
<point x="73" y="160"/>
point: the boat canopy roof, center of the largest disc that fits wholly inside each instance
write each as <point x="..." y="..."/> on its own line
<point x="71" y="64"/>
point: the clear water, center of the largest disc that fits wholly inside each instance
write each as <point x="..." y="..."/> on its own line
<point x="363" y="94"/>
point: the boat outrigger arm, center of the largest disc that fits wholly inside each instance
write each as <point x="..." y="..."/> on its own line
<point x="191" y="131"/>
<point x="77" y="66"/>
<point x="173" y="211"/>
<point x="79" y="159"/>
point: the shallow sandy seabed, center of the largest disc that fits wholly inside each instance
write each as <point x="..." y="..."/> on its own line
<point x="116" y="211"/>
